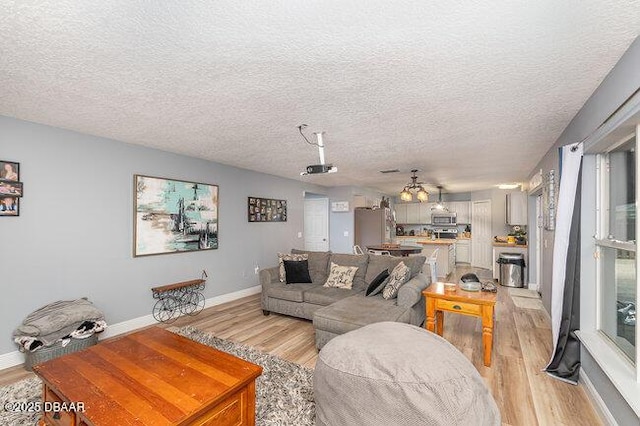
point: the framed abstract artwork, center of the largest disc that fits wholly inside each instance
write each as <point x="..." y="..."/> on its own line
<point x="173" y="216"/>
<point x="266" y="210"/>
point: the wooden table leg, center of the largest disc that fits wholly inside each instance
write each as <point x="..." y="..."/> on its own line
<point x="487" y="333"/>
<point x="439" y="322"/>
<point x="431" y="314"/>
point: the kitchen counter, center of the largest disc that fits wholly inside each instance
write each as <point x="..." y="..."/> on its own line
<point x="510" y="245"/>
<point x="424" y="237"/>
<point x="438" y="241"/>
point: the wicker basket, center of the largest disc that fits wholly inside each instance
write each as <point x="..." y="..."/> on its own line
<point x="57" y="350"/>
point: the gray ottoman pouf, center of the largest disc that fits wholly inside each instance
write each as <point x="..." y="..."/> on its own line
<point x="398" y="374"/>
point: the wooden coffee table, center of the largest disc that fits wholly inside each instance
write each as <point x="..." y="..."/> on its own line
<point x="474" y="303"/>
<point x="151" y="377"/>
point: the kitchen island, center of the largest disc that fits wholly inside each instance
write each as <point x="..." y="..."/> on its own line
<point x="446" y="257"/>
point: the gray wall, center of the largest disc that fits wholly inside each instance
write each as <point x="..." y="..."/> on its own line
<point x="73" y="237"/>
<point x="622" y="81"/>
<point x="341" y="222"/>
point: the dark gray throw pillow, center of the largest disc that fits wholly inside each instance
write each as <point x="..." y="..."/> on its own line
<point x="297" y="271"/>
<point x="378" y="283"/>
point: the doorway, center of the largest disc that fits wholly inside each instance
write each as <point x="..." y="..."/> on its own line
<point x="316" y="224"/>
<point x="481" y="247"/>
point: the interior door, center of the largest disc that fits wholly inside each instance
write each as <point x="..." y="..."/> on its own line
<point x="481" y="246"/>
<point x="316" y="224"/>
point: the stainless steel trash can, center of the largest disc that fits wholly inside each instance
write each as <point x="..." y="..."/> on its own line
<point x="511" y="269"/>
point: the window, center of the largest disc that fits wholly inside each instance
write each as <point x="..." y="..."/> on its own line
<point x="616" y="245"/>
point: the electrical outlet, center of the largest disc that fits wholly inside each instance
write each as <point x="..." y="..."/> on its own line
<point x="346" y="233"/>
<point x="299" y="234"/>
<point x="256" y="270"/>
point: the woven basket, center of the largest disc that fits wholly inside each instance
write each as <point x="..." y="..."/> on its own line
<point x="57" y="350"/>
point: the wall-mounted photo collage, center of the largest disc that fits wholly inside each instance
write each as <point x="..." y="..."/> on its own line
<point x="266" y="210"/>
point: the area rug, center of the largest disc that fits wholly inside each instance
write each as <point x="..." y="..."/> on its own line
<point x="524" y="292"/>
<point x="525" y="299"/>
<point x="284" y="391"/>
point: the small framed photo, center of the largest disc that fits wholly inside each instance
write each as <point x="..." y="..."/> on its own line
<point x="9" y="206"/>
<point x="10" y="189"/>
<point x="9" y="170"/>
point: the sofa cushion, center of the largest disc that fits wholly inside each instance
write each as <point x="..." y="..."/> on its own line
<point x="341" y="276"/>
<point x="377" y="284"/>
<point x="285" y="256"/>
<point x="327" y="295"/>
<point x="290" y="292"/>
<point x="378" y="264"/>
<point x="357" y="311"/>
<point x="318" y="264"/>
<point x="297" y="271"/>
<point x="354" y="260"/>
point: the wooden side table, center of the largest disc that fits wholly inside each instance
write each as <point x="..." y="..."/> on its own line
<point x="478" y="304"/>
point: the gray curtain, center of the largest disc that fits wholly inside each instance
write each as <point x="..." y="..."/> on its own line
<point x="565" y="364"/>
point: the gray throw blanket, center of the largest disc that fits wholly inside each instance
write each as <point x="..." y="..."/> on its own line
<point x="57" y="320"/>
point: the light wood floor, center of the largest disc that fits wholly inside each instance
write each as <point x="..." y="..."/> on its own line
<point x="522" y="344"/>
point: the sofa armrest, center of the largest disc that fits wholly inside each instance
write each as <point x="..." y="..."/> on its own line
<point x="410" y="293"/>
<point x="269" y="275"/>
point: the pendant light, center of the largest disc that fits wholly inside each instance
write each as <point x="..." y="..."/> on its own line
<point x="439" y="205"/>
<point x="421" y="194"/>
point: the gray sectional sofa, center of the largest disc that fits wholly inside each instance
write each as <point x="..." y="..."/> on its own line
<point x="335" y="311"/>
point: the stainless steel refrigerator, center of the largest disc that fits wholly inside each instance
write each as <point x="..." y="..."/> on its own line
<point x="372" y="227"/>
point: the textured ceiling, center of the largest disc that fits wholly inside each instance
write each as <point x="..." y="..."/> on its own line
<point x="472" y="93"/>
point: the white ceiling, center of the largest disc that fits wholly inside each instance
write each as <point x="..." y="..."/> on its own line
<point x="472" y="93"/>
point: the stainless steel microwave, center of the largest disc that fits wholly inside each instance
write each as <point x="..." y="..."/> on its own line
<point x="444" y="219"/>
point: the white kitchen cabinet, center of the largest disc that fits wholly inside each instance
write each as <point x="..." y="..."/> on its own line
<point x="463" y="251"/>
<point x="413" y="213"/>
<point x="462" y="210"/>
<point x="425" y="213"/>
<point x="516" y="208"/>
<point x="401" y="213"/>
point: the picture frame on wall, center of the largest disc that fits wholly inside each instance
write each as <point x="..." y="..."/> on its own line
<point x="9" y="206"/>
<point x="10" y="188"/>
<point x="173" y="216"/>
<point x="9" y="171"/>
<point x="266" y="210"/>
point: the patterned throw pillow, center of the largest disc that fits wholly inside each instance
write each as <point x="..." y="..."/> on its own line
<point x="341" y="276"/>
<point x="399" y="276"/>
<point x="286" y="256"/>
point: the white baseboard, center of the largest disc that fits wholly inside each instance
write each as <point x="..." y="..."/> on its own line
<point x="10" y="359"/>
<point x="14" y="358"/>
<point x="601" y="408"/>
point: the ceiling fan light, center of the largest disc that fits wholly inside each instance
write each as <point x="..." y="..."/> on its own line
<point x="422" y="195"/>
<point x="405" y="195"/>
